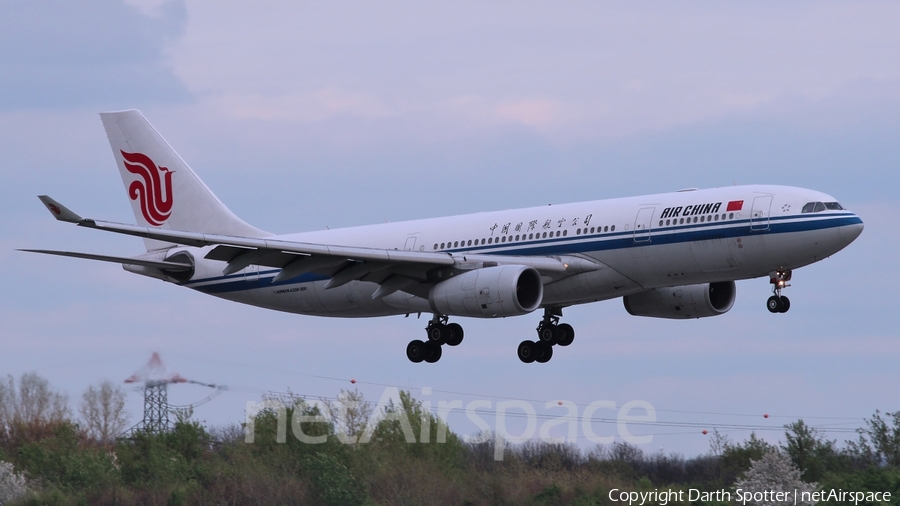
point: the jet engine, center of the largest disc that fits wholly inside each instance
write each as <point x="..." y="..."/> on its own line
<point x="505" y="290"/>
<point x="683" y="302"/>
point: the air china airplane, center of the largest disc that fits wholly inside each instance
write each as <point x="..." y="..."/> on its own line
<point x="672" y="255"/>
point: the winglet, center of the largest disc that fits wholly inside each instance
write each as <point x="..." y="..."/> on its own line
<point x="59" y="211"/>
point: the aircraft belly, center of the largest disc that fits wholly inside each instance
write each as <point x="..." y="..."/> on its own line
<point x="352" y="300"/>
<point x="655" y="264"/>
<point x="602" y="284"/>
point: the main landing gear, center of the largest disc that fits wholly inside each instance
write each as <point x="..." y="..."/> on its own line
<point x="550" y="332"/>
<point x="778" y="303"/>
<point x="439" y="333"/>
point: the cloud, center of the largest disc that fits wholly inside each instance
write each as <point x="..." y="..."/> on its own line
<point x="106" y="53"/>
<point x="583" y="71"/>
<point x="301" y="107"/>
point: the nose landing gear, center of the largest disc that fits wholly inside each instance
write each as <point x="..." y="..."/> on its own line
<point x="778" y="303"/>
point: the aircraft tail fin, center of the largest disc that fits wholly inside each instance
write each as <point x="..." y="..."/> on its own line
<point x="163" y="190"/>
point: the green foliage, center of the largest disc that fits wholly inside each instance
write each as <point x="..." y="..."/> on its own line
<point x="60" y="460"/>
<point x="402" y="455"/>
<point x="550" y="495"/>
<point x="879" y="440"/>
<point x="810" y="452"/>
<point x="871" y="479"/>
<point x="333" y="482"/>
<point x="735" y="459"/>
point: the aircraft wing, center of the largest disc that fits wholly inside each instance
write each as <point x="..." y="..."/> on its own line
<point x="392" y="269"/>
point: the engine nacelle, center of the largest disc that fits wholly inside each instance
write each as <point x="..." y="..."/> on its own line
<point x="683" y="302"/>
<point x="505" y="290"/>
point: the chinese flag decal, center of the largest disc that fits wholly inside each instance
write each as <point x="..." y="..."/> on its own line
<point x="735" y="205"/>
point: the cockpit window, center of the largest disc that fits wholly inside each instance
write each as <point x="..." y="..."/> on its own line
<point x="818" y="207"/>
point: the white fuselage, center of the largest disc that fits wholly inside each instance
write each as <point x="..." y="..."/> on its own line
<point x="639" y="243"/>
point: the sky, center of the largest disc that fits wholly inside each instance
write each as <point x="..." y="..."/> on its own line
<point x="309" y="115"/>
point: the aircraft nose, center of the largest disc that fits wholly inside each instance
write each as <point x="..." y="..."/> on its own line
<point x="851" y="231"/>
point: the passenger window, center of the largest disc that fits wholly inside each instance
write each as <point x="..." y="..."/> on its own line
<point x="435" y="245"/>
<point x="565" y="233"/>
<point x="442" y="245"/>
<point x="613" y="229"/>
<point x="482" y="240"/>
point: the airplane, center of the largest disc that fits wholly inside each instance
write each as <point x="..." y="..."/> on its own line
<point x="672" y="255"/>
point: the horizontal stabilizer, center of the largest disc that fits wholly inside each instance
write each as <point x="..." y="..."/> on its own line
<point x="168" y="266"/>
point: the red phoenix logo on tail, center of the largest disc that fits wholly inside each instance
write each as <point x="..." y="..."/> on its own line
<point x="153" y="193"/>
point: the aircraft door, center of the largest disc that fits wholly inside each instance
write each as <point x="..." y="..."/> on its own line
<point x="410" y="243"/>
<point x="642" y="224"/>
<point x="759" y="214"/>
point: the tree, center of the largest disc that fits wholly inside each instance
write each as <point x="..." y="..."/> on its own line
<point x="879" y="442"/>
<point x="26" y="411"/>
<point x="808" y="450"/>
<point x="774" y="472"/>
<point x="737" y="458"/>
<point x="350" y="415"/>
<point x="103" y="412"/>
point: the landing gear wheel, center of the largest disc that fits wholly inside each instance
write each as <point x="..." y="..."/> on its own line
<point x="456" y="334"/>
<point x="438" y="333"/>
<point x="432" y="353"/>
<point x="565" y="334"/>
<point x="547" y="334"/>
<point x="785" y="304"/>
<point x="527" y="351"/>
<point x="415" y="351"/>
<point x="774" y="304"/>
<point x="544" y="353"/>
